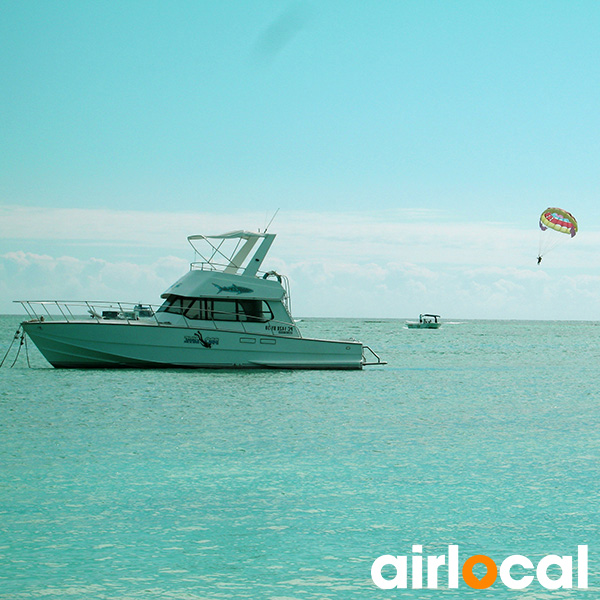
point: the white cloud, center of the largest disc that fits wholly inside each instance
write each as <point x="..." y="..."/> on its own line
<point x="28" y="276"/>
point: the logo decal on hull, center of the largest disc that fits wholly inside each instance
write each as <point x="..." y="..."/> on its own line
<point x="198" y="339"/>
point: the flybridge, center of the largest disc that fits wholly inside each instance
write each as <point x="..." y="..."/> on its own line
<point x="231" y="252"/>
<point x="240" y="254"/>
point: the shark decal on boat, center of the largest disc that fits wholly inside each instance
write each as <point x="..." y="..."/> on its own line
<point x="234" y="289"/>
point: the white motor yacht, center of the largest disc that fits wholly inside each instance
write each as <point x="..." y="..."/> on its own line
<point x="223" y="313"/>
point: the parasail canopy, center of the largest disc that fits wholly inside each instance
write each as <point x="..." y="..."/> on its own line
<point x="558" y="219"/>
<point x="555" y="224"/>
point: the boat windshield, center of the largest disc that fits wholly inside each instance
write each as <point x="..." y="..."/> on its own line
<point x="208" y="309"/>
<point x="427" y="318"/>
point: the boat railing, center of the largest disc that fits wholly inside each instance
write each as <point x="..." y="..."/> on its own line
<point x="206" y="266"/>
<point x="135" y="313"/>
<point x="372" y="355"/>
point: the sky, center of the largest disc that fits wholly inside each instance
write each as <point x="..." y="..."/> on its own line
<point x="410" y="148"/>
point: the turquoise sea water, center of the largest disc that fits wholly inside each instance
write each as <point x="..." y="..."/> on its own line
<point x="286" y="485"/>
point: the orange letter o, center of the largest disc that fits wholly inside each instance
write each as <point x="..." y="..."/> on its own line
<point x="487" y="580"/>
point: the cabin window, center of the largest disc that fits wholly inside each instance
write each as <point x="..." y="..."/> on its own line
<point x="196" y="310"/>
<point x="206" y="309"/>
<point x="225" y="310"/>
<point x="174" y="304"/>
<point x="255" y="310"/>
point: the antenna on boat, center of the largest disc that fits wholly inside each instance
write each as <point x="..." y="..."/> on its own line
<point x="272" y="219"/>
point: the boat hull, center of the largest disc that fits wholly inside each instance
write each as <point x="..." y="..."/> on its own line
<point x="423" y="325"/>
<point x="93" y="344"/>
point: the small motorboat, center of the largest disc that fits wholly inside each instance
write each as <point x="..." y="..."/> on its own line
<point x="425" y="321"/>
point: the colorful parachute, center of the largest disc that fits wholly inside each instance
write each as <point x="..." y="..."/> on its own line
<point x="559" y="220"/>
<point x="555" y="224"/>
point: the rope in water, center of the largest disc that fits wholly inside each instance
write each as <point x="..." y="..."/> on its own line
<point x="18" y="334"/>
<point x="15" y="337"/>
